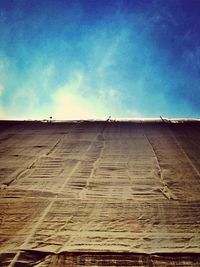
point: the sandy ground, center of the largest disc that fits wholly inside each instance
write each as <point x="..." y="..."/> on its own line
<point x="100" y="194"/>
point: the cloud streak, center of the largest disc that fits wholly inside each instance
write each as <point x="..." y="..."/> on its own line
<point x="121" y="58"/>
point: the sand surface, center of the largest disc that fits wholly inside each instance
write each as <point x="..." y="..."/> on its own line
<point x="100" y="194"/>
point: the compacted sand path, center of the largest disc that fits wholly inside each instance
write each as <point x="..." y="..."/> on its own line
<point x="100" y="193"/>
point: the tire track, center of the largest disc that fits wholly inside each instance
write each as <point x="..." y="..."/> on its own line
<point x="183" y="151"/>
<point x="165" y="190"/>
<point x="22" y="172"/>
<point x="38" y="223"/>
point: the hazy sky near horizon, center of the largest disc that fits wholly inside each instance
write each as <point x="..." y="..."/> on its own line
<point x="92" y="59"/>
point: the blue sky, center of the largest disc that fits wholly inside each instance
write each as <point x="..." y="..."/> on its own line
<point x="92" y="59"/>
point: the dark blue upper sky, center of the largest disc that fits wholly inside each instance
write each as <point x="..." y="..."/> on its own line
<point x="90" y="59"/>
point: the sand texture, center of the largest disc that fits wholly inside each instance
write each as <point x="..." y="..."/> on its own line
<point x="100" y="193"/>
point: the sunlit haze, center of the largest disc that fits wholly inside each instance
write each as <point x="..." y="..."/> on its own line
<point x="85" y="59"/>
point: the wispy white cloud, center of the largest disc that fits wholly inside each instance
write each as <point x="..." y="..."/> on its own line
<point x="3" y="115"/>
<point x="24" y="101"/>
<point x="120" y="65"/>
<point x="109" y="94"/>
<point x="1" y="89"/>
<point x="70" y="102"/>
<point x="72" y="106"/>
<point x="111" y="52"/>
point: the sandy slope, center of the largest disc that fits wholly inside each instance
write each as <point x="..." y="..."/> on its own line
<point x="100" y="194"/>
